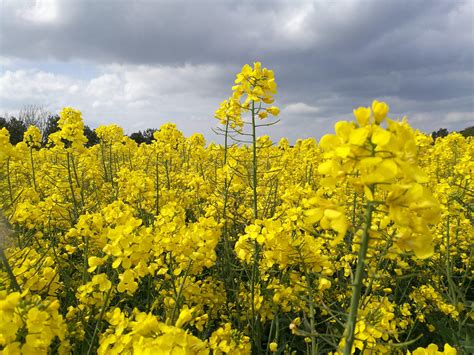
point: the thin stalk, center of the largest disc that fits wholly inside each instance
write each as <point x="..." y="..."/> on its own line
<point x="9" y="181"/>
<point x="254" y="163"/>
<point x="229" y="277"/>
<point x="168" y="182"/>
<point x="452" y="287"/>
<point x="226" y="137"/>
<point x="254" y="276"/>
<point x="157" y="182"/>
<point x="85" y="260"/>
<point x="33" y="169"/>
<point x="76" y="177"/>
<point x="76" y="213"/>
<point x="255" y="319"/>
<point x="180" y="291"/>
<point x="102" y="150"/>
<point x="13" y="282"/>
<point x="111" y="165"/>
<point x="311" y="305"/>
<point x="359" y="277"/>
<point x="101" y="316"/>
<point x="270" y="333"/>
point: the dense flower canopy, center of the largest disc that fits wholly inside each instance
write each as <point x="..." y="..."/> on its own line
<point x="182" y="247"/>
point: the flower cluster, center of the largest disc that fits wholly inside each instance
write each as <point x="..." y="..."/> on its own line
<point x="381" y="164"/>
<point x="71" y="134"/>
<point x="30" y="325"/>
<point x="179" y="246"/>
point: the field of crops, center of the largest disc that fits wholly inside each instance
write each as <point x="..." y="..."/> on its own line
<point x="359" y="243"/>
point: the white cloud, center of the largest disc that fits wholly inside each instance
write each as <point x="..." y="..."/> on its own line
<point x="300" y="108"/>
<point x="105" y="88"/>
<point x="33" y="85"/>
<point x="441" y="119"/>
<point x="73" y="89"/>
<point x="139" y="104"/>
<point x="5" y="61"/>
<point x="297" y="24"/>
<point x="40" y="11"/>
<point x="421" y="117"/>
<point x="459" y="117"/>
<point x="144" y="85"/>
<point x="135" y="97"/>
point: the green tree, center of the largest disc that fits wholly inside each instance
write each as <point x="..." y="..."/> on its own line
<point x="51" y="126"/>
<point x="440" y="133"/>
<point x="16" y="128"/>
<point x="468" y="132"/>
<point x="143" y="137"/>
<point x="3" y="122"/>
<point x="91" y="136"/>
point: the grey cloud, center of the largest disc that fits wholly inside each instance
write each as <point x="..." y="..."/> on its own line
<point x="332" y="55"/>
<point x="165" y="32"/>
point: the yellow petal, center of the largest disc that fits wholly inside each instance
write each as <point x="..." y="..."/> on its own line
<point x="329" y="142"/>
<point x="381" y="136"/>
<point x="362" y="115"/>
<point x="332" y="214"/>
<point x="380" y="110"/>
<point x="358" y="136"/>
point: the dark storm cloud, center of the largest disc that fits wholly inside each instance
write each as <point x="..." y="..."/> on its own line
<point x="332" y="55"/>
<point x="375" y="35"/>
<point x="140" y="32"/>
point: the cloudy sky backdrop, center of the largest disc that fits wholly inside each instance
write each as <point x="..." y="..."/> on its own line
<point x="143" y="63"/>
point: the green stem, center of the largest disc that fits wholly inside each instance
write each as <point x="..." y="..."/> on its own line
<point x="254" y="163"/>
<point x="255" y="324"/>
<point x="311" y="303"/>
<point x="451" y="285"/>
<point x="226" y="141"/>
<point x="9" y="181"/>
<point x="101" y="316"/>
<point x="269" y="340"/>
<point x="33" y="169"/>
<point x="76" y="177"/>
<point x="255" y="321"/>
<point x="180" y="291"/>
<point x="85" y="260"/>
<point x="359" y="277"/>
<point x="102" y="150"/>
<point x="227" y="269"/>
<point x="111" y="165"/>
<point x="76" y="213"/>
<point x="14" y="283"/>
<point x="157" y="182"/>
<point x="167" y="169"/>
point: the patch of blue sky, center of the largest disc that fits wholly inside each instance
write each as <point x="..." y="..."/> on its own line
<point x="80" y="70"/>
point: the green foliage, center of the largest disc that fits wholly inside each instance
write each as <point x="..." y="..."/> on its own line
<point x="143" y="137"/>
<point x="468" y="132"/>
<point x="440" y="133"/>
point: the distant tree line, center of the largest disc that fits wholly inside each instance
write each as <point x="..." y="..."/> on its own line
<point x="17" y="127"/>
<point x="34" y="115"/>
<point x="443" y="132"/>
<point x="143" y="137"/>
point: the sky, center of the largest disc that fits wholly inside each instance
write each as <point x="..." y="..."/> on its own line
<point x="140" y="64"/>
